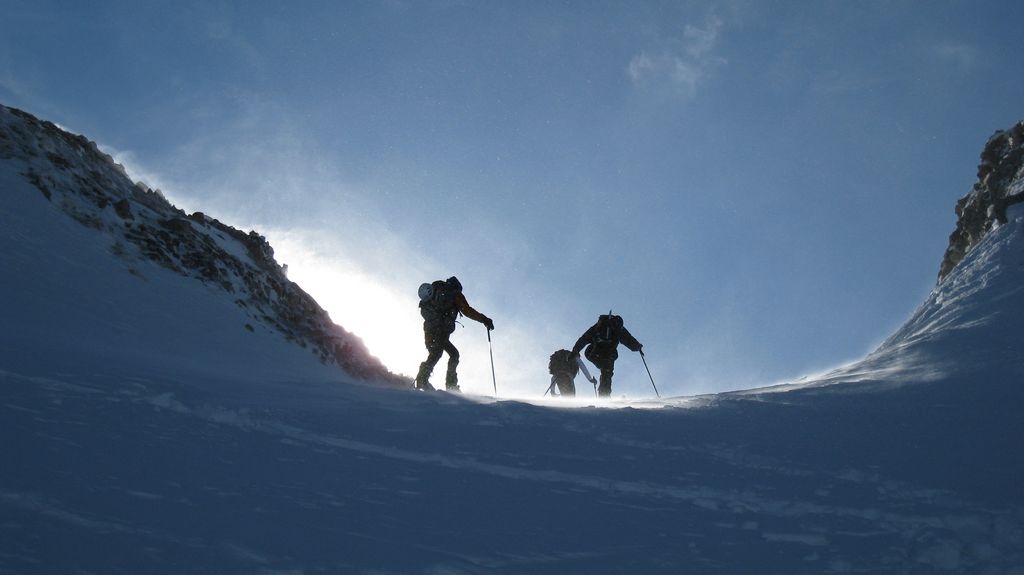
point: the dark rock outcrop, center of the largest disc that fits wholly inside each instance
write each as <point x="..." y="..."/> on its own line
<point x="83" y="182"/>
<point x="1000" y="184"/>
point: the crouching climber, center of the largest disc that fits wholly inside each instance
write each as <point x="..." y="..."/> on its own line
<point x="563" y="369"/>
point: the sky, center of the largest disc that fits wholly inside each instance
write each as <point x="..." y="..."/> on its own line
<point x="762" y="190"/>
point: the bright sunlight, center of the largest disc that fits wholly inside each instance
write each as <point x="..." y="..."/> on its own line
<point x="386" y="319"/>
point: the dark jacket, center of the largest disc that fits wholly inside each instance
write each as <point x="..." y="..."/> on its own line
<point x="604" y="337"/>
<point x="443" y="308"/>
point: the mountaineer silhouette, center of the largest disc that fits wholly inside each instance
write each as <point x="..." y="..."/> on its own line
<point x="601" y="342"/>
<point x="441" y="304"/>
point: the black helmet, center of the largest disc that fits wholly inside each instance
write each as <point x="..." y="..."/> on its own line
<point x="454" y="283"/>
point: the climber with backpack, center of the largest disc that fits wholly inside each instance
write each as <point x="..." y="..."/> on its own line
<point x="563" y="369"/>
<point x="563" y="366"/>
<point x="602" y="341"/>
<point x="441" y="304"/>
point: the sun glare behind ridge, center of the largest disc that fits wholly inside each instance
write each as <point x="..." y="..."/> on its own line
<point x="385" y="317"/>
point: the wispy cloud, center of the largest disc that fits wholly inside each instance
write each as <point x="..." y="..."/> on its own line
<point x="680" y="62"/>
<point x="17" y="89"/>
<point x="219" y="27"/>
<point x="961" y="57"/>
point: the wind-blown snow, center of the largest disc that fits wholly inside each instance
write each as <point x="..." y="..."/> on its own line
<point x="145" y="430"/>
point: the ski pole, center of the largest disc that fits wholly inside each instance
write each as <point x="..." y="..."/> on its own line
<point x="491" y="349"/>
<point x="649" y="374"/>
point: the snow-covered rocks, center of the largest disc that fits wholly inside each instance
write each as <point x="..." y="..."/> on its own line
<point x="141" y="225"/>
<point x="1000" y="185"/>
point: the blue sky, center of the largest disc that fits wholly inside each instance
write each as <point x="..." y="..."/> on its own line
<point x="762" y="190"/>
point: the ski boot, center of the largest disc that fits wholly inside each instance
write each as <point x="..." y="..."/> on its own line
<point x="423" y="378"/>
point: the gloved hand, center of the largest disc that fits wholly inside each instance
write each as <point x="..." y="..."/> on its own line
<point x="489" y="323"/>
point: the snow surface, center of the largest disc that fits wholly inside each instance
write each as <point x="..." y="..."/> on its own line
<point x="144" y="429"/>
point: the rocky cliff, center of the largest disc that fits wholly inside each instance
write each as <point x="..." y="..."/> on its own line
<point x="1000" y="184"/>
<point x="86" y="184"/>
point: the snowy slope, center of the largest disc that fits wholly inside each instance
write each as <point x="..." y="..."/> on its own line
<point x="144" y="432"/>
<point x="130" y="229"/>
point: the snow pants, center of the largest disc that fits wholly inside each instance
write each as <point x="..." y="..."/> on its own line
<point x="437" y="343"/>
<point x="604" y="361"/>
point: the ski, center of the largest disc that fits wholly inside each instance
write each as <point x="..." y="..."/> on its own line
<point x="586" y="372"/>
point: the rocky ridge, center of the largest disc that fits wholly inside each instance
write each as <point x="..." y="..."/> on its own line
<point x="1000" y="185"/>
<point x="86" y="184"/>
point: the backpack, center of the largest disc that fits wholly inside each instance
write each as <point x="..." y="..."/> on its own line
<point x="562" y="361"/>
<point x="608" y="328"/>
<point x="437" y="303"/>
